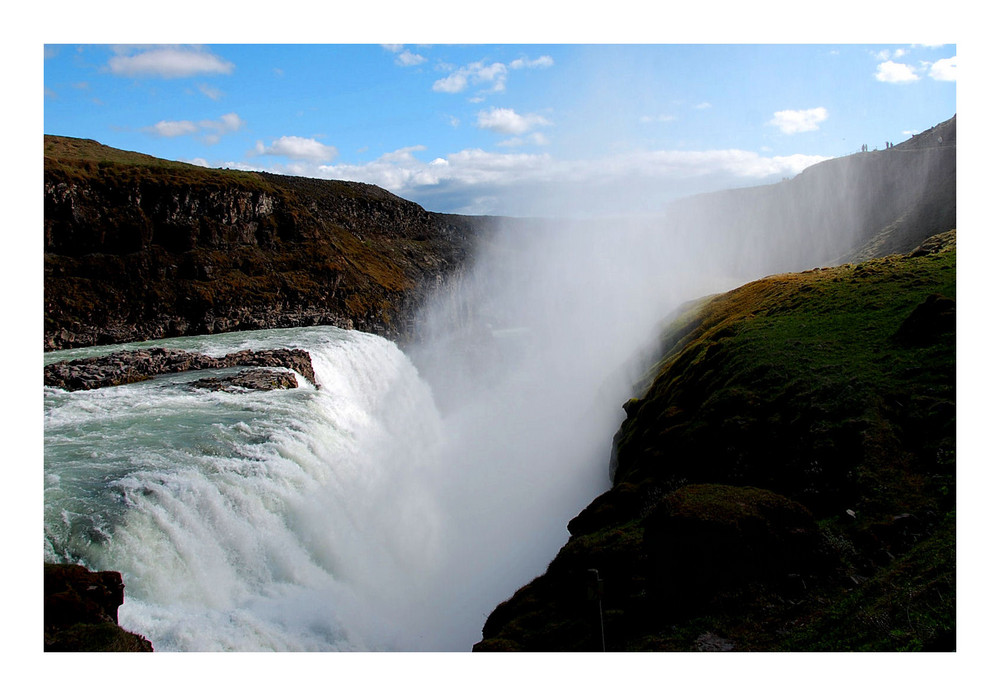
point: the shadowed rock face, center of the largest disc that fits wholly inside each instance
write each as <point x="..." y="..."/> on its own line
<point x="81" y="611"/>
<point x="138" y="248"/>
<point x="125" y="367"/>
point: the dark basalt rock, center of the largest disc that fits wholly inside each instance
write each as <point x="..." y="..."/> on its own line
<point x="261" y="379"/>
<point x="125" y="367"/>
<point x="81" y="612"/>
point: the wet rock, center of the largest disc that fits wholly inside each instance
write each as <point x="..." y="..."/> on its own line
<point x="126" y="367"/>
<point x="261" y="379"/>
<point x="709" y="642"/>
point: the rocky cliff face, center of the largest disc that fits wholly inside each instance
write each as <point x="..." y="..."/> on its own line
<point x="785" y="481"/>
<point x="138" y="248"/>
<point x="81" y="611"/>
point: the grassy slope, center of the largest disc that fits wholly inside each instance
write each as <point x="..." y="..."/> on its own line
<point x="792" y="393"/>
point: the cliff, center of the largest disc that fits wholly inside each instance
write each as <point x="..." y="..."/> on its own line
<point x="81" y="612"/>
<point x="138" y="248"/>
<point x="785" y="480"/>
<point x="852" y="208"/>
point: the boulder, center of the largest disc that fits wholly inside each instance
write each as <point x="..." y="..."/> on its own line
<point x="81" y="611"/>
<point x="707" y="539"/>
<point x="259" y="379"/>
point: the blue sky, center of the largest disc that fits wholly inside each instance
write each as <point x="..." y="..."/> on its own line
<point x="529" y="129"/>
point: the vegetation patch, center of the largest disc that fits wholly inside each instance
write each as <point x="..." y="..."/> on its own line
<point x="784" y="481"/>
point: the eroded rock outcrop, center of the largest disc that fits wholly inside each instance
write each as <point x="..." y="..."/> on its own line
<point x="260" y="379"/>
<point x="81" y="611"/>
<point x="125" y="367"/>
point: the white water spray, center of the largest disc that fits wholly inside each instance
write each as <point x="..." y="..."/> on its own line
<point x="393" y="508"/>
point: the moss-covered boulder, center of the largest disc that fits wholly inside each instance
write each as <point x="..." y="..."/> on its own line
<point x="705" y="539"/>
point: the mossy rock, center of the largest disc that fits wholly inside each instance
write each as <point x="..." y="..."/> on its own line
<point x="705" y="539"/>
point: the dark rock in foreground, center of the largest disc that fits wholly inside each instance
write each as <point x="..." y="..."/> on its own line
<point x="125" y="367"/>
<point x="81" y="612"/>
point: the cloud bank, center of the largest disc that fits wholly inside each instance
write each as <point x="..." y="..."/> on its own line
<point x="476" y="181"/>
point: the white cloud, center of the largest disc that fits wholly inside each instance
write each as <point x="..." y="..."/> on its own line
<point x="172" y="129"/>
<point x="703" y="105"/>
<point x="212" y="93"/>
<point x="168" y="62"/>
<point x="492" y="76"/>
<point x="228" y="122"/>
<point x="454" y="83"/>
<point x="945" y="69"/>
<point x="503" y="178"/>
<point x="536" y="139"/>
<point x="540" y="62"/>
<point x="407" y="59"/>
<point x="207" y="130"/>
<point x="509" y="122"/>
<point x="661" y="118"/>
<point x="297" y="148"/>
<point x="791" y="121"/>
<point x="891" y="71"/>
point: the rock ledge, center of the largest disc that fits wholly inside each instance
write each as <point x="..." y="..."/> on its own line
<point x="125" y="367"/>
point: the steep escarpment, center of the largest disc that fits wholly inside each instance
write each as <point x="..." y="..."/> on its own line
<point x="785" y="480"/>
<point x="852" y="208"/>
<point x="139" y="248"/>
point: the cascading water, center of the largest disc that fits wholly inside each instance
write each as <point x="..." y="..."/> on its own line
<point x="287" y="520"/>
<point x="397" y="505"/>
